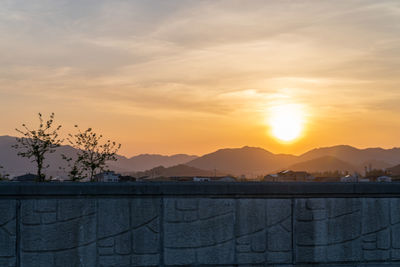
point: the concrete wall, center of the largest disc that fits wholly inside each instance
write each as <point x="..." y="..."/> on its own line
<point x="199" y="224"/>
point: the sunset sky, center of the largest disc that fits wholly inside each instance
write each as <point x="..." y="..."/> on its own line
<point x="193" y="76"/>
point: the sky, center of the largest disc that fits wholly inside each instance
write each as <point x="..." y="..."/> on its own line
<point x="193" y="76"/>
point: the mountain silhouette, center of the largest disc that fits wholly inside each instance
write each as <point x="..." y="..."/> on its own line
<point x="236" y="161"/>
<point x="355" y="156"/>
<point x="15" y="165"/>
<point x="178" y="170"/>
<point x="148" y="161"/>
<point x="253" y="160"/>
<point x="324" y="163"/>
<point x="245" y="160"/>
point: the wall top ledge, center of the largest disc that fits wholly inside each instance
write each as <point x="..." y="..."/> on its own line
<point x="211" y="189"/>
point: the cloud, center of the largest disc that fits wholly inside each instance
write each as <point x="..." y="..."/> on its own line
<point x="216" y="58"/>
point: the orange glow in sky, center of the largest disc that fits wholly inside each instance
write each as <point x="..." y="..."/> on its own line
<point x="195" y="76"/>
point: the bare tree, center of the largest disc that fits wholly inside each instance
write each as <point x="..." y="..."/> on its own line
<point x="92" y="154"/>
<point x="36" y="144"/>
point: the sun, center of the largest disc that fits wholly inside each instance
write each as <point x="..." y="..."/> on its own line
<point x="286" y="122"/>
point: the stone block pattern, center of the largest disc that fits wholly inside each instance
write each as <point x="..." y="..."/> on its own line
<point x="185" y="231"/>
<point x="58" y="232"/>
<point x="227" y="231"/>
<point x="347" y="230"/>
<point x="128" y="232"/>
<point x="89" y="232"/>
<point x="7" y="233"/>
<point x="263" y="231"/>
<point x="199" y="231"/>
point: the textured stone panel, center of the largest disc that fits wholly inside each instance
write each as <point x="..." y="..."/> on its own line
<point x="28" y="215"/>
<point x="396" y="236"/>
<point x="251" y="231"/>
<point x="376" y="214"/>
<point x="395" y="210"/>
<point x="7" y="232"/>
<point x="349" y="250"/>
<point x="354" y="230"/>
<point x="113" y="217"/>
<point x="201" y="232"/>
<point x="263" y="231"/>
<point x="279" y="233"/>
<point x="396" y="254"/>
<point x="51" y="238"/>
<point x="144" y="211"/>
<point x="146" y="216"/>
<point x="59" y="235"/>
<point x="145" y="260"/>
<point x="145" y="241"/>
<point x="82" y="256"/>
<point x="115" y="261"/>
<point x="251" y="216"/>
<point x="179" y="256"/>
<point x="71" y="209"/>
<point x="206" y="238"/>
<point x="218" y="254"/>
<point x="383" y="239"/>
<point x="327" y="230"/>
<point x="209" y="208"/>
<point x="134" y="239"/>
<point x="45" y="205"/>
<point x="123" y="244"/>
<point x="8" y="262"/>
<point x="278" y="211"/>
<point x="37" y="259"/>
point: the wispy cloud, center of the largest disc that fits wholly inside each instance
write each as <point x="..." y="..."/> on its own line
<point x="201" y="58"/>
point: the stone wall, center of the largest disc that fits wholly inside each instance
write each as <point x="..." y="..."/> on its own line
<point x="199" y="224"/>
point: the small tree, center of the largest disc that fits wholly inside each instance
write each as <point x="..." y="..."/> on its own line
<point x="75" y="170"/>
<point x="92" y="154"/>
<point x="36" y="144"/>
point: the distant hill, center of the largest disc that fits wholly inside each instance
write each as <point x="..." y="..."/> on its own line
<point x="355" y="156"/>
<point x="15" y="165"/>
<point x="245" y="160"/>
<point x="395" y="170"/>
<point x="253" y="160"/>
<point x="147" y="161"/>
<point x="178" y="170"/>
<point x="324" y="163"/>
<point x="236" y="161"/>
<point x="375" y="164"/>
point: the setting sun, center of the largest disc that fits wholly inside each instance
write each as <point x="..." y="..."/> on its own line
<point x="286" y="122"/>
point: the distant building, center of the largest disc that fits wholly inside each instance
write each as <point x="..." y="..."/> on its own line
<point x="289" y="176"/>
<point x="226" y="179"/>
<point x="214" y="179"/>
<point x="191" y="179"/>
<point x="29" y="177"/>
<point x="384" y="179"/>
<point x="108" y="176"/>
<point x="271" y="178"/>
<point x="57" y="179"/>
<point x="201" y="179"/>
<point x="351" y="178"/>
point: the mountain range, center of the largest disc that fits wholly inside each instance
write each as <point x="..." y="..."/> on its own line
<point x="15" y="165"/>
<point x="251" y="160"/>
<point x="246" y="160"/>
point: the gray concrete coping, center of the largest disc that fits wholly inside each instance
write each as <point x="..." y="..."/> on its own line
<point x="212" y="189"/>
